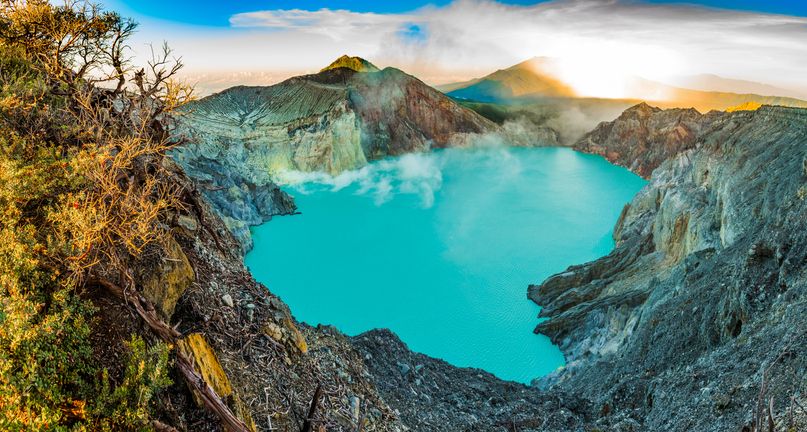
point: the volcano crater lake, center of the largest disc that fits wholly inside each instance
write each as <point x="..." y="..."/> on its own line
<point x="440" y="247"/>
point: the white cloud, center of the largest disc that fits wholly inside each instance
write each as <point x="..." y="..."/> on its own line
<point x="336" y="24"/>
<point x="646" y="39"/>
<point x="471" y="37"/>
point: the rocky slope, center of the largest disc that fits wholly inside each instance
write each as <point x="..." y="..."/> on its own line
<point x="703" y="299"/>
<point x="239" y="140"/>
<point x="243" y="340"/>
<point x="693" y="322"/>
<point x="432" y="395"/>
<point x="642" y="137"/>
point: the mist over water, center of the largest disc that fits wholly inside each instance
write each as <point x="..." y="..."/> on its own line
<point x="441" y="247"/>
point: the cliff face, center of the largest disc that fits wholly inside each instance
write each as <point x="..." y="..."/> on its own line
<point x="238" y="140"/>
<point x="643" y="136"/>
<point x="244" y="341"/>
<point x="399" y="114"/>
<point x="703" y="298"/>
<point x="700" y="303"/>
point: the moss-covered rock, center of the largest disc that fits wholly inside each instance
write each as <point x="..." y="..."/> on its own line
<point x="169" y="280"/>
<point x="206" y="363"/>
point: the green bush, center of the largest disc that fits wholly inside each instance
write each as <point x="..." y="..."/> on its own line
<point x="48" y="380"/>
<point x="45" y="360"/>
<point x="127" y="405"/>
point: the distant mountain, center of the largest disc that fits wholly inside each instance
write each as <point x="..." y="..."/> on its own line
<point x="450" y="87"/>
<point x="240" y="140"/>
<point x="526" y="79"/>
<point x="533" y="80"/>
<point x="711" y="82"/>
<point x="667" y="96"/>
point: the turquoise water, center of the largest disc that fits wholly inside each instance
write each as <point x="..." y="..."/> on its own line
<point x="440" y="248"/>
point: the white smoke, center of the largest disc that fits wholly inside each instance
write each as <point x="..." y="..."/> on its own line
<point x="414" y="174"/>
<point x="417" y="174"/>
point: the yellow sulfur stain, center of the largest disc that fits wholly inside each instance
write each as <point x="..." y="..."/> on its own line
<point x="748" y="106"/>
<point x="205" y="361"/>
<point x="207" y="364"/>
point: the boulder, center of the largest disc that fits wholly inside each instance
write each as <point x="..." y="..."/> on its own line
<point x="168" y="280"/>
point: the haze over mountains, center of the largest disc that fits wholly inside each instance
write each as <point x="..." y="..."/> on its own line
<point x="712" y="82"/>
<point x="525" y="79"/>
<point x="541" y="78"/>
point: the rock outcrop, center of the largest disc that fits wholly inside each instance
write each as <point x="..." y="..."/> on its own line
<point x="698" y="313"/>
<point x="204" y="359"/>
<point x="239" y="140"/>
<point x="165" y="283"/>
<point x="643" y="136"/>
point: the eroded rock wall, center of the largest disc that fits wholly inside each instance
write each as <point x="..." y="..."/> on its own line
<point x="705" y="289"/>
<point x="238" y="141"/>
<point x="643" y="137"/>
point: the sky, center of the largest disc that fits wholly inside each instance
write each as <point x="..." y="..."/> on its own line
<point x="217" y="13"/>
<point x="263" y="41"/>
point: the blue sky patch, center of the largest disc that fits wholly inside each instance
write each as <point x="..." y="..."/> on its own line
<point x="218" y="13"/>
<point x="415" y="33"/>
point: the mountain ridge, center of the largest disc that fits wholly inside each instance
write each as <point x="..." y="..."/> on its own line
<point x="642" y="137"/>
<point x="240" y="139"/>
<point x="532" y="80"/>
<point x="525" y="79"/>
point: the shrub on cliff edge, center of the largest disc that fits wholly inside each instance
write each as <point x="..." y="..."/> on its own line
<point x="80" y="199"/>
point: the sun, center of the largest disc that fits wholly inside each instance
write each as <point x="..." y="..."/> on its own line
<point x="614" y="70"/>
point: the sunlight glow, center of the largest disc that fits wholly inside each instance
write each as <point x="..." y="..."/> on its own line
<point x="613" y="70"/>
